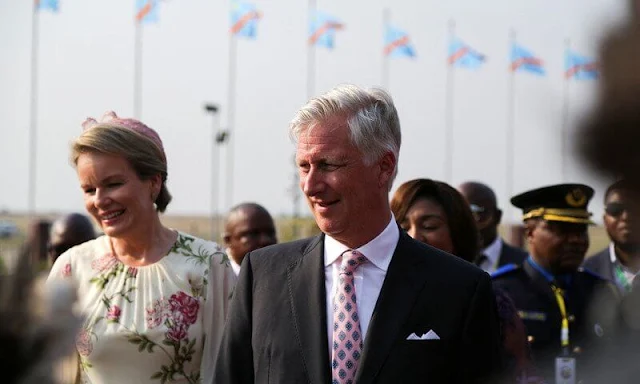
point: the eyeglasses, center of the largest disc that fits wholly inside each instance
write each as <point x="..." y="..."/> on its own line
<point x="477" y="211"/>
<point x="616" y="209"/>
<point x="476" y="208"/>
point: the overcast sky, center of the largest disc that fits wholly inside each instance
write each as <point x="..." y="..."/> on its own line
<point x="86" y="67"/>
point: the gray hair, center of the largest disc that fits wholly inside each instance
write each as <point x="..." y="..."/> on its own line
<point x="372" y="119"/>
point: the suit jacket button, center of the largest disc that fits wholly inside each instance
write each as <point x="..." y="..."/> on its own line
<point x="530" y="339"/>
<point x="572" y="318"/>
<point x="577" y="350"/>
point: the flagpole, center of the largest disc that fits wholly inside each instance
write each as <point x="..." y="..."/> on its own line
<point x="231" y="112"/>
<point x="386" y="19"/>
<point x="311" y="55"/>
<point x="510" y="135"/>
<point x="448" y="168"/>
<point x="564" y="149"/>
<point x="33" y="117"/>
<point x="137" y="70"/>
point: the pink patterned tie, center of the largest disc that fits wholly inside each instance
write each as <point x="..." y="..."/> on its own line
<point x="347" y="337"/>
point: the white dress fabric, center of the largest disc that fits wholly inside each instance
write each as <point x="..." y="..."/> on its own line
<point x="159" y="323"/>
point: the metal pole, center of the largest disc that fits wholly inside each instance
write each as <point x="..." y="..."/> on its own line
<point x="214" y="180"/>
<point x="510" y="135"/>
<point x="386" y="20"/>
<point x="137" y="71"/>
<point x="33" y="117"/>
<point x="448" y="169"/>
<point x="311" y="56"/>
<point x="564" y="132"/>
<point x="231" y="110"/>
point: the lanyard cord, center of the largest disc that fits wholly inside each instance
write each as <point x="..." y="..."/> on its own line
<point x="564" y="331"/>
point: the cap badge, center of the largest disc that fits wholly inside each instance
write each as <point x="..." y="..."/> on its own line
<point x="576" y="198"/>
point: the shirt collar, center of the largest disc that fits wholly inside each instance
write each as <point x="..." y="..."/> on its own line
<point x="378" y="251"/>
<point x="493" y="250"/>
<point x="612" y="252"/>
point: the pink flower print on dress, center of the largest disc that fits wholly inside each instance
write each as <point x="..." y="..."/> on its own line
<point x="83" y="342"/>
<point x="113" y="315"/>
<point x="104" y="262"/>
<point x="66" y="270"/>
<point x="157" y="313"/>
<point x="186" y="305"/>
<point x="177" y="332"/>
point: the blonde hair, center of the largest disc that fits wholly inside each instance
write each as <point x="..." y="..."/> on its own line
<point x="145" y="156"/>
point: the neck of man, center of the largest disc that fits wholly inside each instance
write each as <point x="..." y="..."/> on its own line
<point x="545" y="265"/>
<point x="367" y="232"/>
<point x="489" y="237"/>
<point x="629" y="256"/>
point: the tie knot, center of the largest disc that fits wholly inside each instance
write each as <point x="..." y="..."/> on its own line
<point x="351" y="259"/>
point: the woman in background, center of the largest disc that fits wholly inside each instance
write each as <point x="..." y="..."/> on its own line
<point x="154" y="299"/>
<point x="437" y="214"/>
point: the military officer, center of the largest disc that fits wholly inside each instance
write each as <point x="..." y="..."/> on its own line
<point x="568" y="311"/>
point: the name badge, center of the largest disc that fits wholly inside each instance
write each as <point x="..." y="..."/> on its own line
<point x="565" y="370"/>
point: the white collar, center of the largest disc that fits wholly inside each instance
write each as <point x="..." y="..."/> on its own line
<point x="235" y="266"/>
<point x="612" y="252"/>
<point x="378" y="251"/>
<point x="493" y="250"/>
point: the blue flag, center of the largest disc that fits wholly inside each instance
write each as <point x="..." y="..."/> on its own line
<point x="397" y="43"/>
<point x="244" y="19"/>
<point x="462" y="55"/>
<point x="579" y="67"/>
<point x="51" y="5"/>
<point x="323" y="29"/>
<point x="525" y="61"/>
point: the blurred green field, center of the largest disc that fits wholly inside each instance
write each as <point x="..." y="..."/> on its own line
<point x="200" y="226"/>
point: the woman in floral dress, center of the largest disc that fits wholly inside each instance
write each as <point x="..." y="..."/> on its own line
<point x="154" y="299"/>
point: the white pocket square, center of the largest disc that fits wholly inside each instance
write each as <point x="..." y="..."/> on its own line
<point x="431" y="335"/>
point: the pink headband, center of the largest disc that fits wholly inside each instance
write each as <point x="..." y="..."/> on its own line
<point x="110" y="117"/>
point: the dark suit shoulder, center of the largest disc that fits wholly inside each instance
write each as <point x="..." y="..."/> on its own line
<point x="594" y="263"/>
<point x="444" y="261"/>
<point x="283" y="254"/>
<point x="591" y="275"/>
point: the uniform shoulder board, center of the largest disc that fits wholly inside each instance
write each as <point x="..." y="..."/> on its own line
<point x="590" y="272"/>
<point x="504" y="270"/>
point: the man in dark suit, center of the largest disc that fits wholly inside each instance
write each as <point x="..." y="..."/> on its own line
<point x="363" y="302"/>
<point x="570" y="314"/>
<point x="620" y="261"/>
<point x="495" y="251"/>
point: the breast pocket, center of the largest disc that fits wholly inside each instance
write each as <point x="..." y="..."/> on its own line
<point x="428" y="359"/>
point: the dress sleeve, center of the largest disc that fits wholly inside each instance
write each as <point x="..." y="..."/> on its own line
<point x="62" y="268"/>
<point x="221" y="281"/>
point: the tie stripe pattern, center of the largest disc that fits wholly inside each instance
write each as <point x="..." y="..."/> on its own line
<point x="347" y="337"/>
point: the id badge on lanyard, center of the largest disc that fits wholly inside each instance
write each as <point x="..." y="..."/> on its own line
<point x="565" y="366"/>
<point x="565" y="370"/>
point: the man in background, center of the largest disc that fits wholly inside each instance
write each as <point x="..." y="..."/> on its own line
<point x="495" y="251"/>
<point x="620" y="261"/>
<point x="248" y="227"/>
<point x="67" y="232"/>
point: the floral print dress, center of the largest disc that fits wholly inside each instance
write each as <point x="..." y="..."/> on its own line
<point x="159" y="323"/>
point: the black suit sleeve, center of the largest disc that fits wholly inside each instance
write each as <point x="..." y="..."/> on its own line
<point x="481" y="360"/>
<point x="235" y="357"/>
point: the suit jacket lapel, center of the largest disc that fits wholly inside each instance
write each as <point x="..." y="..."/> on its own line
<point x="402" y="284"/>
<point x="306" y="282"/>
